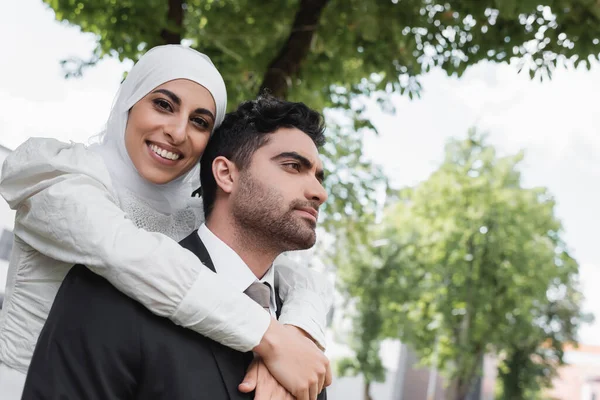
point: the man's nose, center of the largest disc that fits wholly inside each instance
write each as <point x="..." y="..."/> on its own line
<point x="316" y="191"/>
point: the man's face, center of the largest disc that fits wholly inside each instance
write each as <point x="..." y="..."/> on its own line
<point x="278" y="195"/>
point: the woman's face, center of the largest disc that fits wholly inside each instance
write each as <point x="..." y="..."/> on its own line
<point x="168" y="129"/>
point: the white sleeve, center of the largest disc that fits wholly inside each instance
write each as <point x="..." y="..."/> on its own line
<point x="66" y="211"/>
<point x="307" y="297"/>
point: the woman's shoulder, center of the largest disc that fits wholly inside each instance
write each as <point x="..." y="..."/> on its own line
<point x="49" y="148"/>
<point x="40" y="163"/>
<point x="48" y="154"/>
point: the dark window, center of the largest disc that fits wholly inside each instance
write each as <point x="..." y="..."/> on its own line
<point x="6" y="241"/>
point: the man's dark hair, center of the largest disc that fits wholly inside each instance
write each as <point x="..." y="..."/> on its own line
<point x="247" y="129"/>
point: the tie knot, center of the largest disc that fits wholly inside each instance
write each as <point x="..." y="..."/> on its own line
<point x="260" y="293"/>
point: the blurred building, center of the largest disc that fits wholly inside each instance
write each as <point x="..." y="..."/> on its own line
<point x="580" y="378"/>
<point x="405" y="378"/>
<point x="416" y="382"/>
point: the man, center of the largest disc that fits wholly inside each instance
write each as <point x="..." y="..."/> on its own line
<point x="262" y="187"/>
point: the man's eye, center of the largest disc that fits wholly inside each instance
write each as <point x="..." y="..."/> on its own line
<point x="294" y="166"/>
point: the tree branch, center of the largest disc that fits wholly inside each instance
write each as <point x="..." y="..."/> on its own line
<point x="294" y="51"/>
<point x="171" y="34"/>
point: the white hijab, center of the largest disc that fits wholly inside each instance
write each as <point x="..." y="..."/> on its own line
<point x="159" y="65"/>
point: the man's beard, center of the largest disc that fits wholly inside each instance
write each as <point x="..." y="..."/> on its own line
<point x="257" y="210"/>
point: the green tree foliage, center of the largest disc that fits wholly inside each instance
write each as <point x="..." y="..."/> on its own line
<point x="324" y="52"/>
<point x="366" y="275"/>
<point x="476" y="264"/>
<point x="367" y="320"/>
<point x="529" y="363"/>
<point x="329" y="53"/>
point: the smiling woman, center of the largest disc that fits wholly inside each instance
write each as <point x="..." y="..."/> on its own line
<point x="168" y="129"/>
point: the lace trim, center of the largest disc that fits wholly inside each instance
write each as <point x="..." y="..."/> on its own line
<point x="177" y="225"/>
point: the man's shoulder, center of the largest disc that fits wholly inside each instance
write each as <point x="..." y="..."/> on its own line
<point x="97" y="305"/>
<point x="90" y="318"/>
<point x="87" y="294"/>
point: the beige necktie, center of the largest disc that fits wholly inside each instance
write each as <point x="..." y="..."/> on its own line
<point x="260" y="293"/>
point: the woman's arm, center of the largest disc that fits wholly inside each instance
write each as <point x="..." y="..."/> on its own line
<point x="66" y="211"/>
<point x="307" y="297"/>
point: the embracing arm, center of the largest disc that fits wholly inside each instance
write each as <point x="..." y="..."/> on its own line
<point x="66" y="211"/>
<point x="307" y="297"/>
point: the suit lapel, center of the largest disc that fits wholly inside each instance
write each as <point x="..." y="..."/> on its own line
<point x="195" y="245"/>
<point x="232" y="364"/>
<point x="278" y="302"/>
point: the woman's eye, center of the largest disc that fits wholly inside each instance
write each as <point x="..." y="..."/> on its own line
<point x="200" y="122"/>
<point x="163" y="104"/>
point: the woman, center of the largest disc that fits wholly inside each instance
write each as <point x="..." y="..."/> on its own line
<point x="78" y="205"/>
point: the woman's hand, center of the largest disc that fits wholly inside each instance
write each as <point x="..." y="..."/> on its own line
<point x="259" y="378"/>
<point x="294" y="361"/>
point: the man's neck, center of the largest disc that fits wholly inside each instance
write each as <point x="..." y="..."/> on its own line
<point x="257" y="256"/>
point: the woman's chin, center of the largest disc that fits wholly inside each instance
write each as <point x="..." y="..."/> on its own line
<point x="160" y="173"/>
<point x="158" y="177"/>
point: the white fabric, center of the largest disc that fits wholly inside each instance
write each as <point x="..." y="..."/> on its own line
<point x="307" y="297"/>
<point x="11" y="382"/>
<point x="67" y="213"/>
<point x="159" y="65"/>
<point x="229" y="265"/>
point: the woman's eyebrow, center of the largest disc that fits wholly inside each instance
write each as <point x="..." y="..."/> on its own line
<point x="204" y="111"/>
<point x="170" y="94"/>
<point x="177" y="101"/>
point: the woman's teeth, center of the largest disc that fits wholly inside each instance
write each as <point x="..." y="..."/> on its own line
<point x="164" y="153"/>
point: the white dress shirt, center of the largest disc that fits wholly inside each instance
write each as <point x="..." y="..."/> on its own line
<point x="230" y="265"/>
<point x="67" y="213"/>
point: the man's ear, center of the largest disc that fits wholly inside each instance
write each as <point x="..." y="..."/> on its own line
<point x="225" y="173"/>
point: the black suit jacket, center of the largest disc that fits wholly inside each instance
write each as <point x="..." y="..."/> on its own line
<point x="98" y="343"/>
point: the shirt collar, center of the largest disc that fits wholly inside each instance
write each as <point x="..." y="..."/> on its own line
<point x="231" y="266"/>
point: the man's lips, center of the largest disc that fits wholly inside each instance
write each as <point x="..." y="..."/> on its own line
<point x="310" y="211"/>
